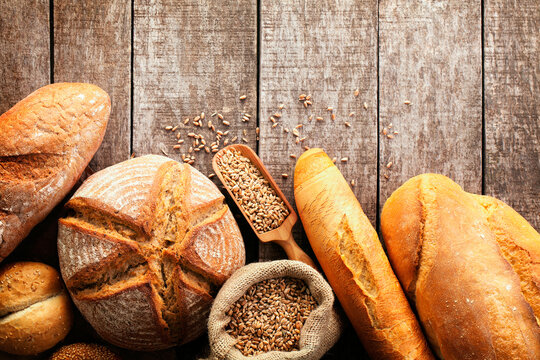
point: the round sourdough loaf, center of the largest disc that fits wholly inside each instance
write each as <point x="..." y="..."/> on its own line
<point x="147" y="245"/>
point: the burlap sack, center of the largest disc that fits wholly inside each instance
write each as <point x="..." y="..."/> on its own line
<point x="319" y="333"/>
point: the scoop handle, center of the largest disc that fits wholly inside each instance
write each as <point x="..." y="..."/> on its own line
<point x="294" y="252"/>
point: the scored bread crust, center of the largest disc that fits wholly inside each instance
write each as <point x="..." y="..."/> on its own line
<point x="46" y="142"/>
<point x="446" y="254"/>
<point x="148" y="244"/>
<point x="519" y="243"/>
<point x="351" y="255"/>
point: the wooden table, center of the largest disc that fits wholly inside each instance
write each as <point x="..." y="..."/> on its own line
<point x="453" y="84"/>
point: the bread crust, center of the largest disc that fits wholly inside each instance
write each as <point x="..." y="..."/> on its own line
<point x="349" y="251"/>
<point x="46" y="142"/>
<point x="38" y="328"/>
<point x="128" y="317"/>
<point x="519" y="243"/>
<point x="139" y="228"/>
<point x="25" y="283"/>
<point x="35" y="310"/>
<point x="467" y="295"/>
<point x="87" y="252"/>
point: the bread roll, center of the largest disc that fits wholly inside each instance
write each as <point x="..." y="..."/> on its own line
<point x="148" y="244"/>
<point x="35" y="311"/>
<point x="470" y="263"/>
<point x="82" y="351"/>
<point x="46" y="142"/>
<point x="349" y="251"/>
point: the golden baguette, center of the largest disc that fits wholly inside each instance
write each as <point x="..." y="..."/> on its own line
<point x="470" y="263"/>
<point x="349" y="251"/>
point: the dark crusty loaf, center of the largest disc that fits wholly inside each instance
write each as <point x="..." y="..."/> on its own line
<point x="149" y="243"/>
<point x="35" y="311"/>
<point x="46" y="141"/>
<point x="470" y="264"/>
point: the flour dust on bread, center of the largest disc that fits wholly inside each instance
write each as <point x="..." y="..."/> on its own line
<point x="470" y="264"/>
<point x="147" y="246"/>
<point x="46" y="142"/>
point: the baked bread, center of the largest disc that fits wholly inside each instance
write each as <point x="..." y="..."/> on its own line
<point x="470" y="264"/>
<point x="82" y="351"/>
<point x="46" y="141"/>
<point x="35" y="311"/>
<point x="353" y="260"/>
<point x="148" y="244"/>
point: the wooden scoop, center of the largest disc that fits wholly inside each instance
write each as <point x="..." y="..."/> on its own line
<point x="281" y="235"/>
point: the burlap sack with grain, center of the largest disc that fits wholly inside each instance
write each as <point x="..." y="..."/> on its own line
<point x="319" y="333"/>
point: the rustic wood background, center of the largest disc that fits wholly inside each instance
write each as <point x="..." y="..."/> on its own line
<point x="470" y="70"/>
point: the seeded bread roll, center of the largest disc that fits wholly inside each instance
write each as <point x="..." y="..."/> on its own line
<point x="148" y="244"/>
<point x="470" y="264"/>
<point x="349" y="251"/>
<point x="82" y="351"/>
<point x="35" y="311"/>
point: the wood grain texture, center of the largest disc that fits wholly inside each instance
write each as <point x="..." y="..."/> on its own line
<point x="92" y="43"/>
<point x="24" y="54"/>
<point x="193" y="57"/>
<point x="512" y="104"/>
<point x="430" y="55"/>
<point x="327" y="49"/>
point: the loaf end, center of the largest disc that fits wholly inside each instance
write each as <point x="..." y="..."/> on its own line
<point x="309" y="164"/>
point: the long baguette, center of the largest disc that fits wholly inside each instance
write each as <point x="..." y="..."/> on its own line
<point x="349" y="251"/>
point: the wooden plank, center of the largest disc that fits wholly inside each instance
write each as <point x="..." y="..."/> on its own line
<point x="92" y="43"/>
<point x="24" y="58"/>
<point x="430" y="55"/>
<point x="193" y="57"/>
<point x="327" y="49"/>
<point x="512" y="104"/>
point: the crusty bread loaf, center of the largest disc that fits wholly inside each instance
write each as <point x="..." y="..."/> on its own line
<point x="149" y="242"/>
<point x="470" y="263"/>
<point x="349" y="251"/>
<point x="35" y="311"/>
<point x="519" y="243"/>
<point x="46" y="141"/>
